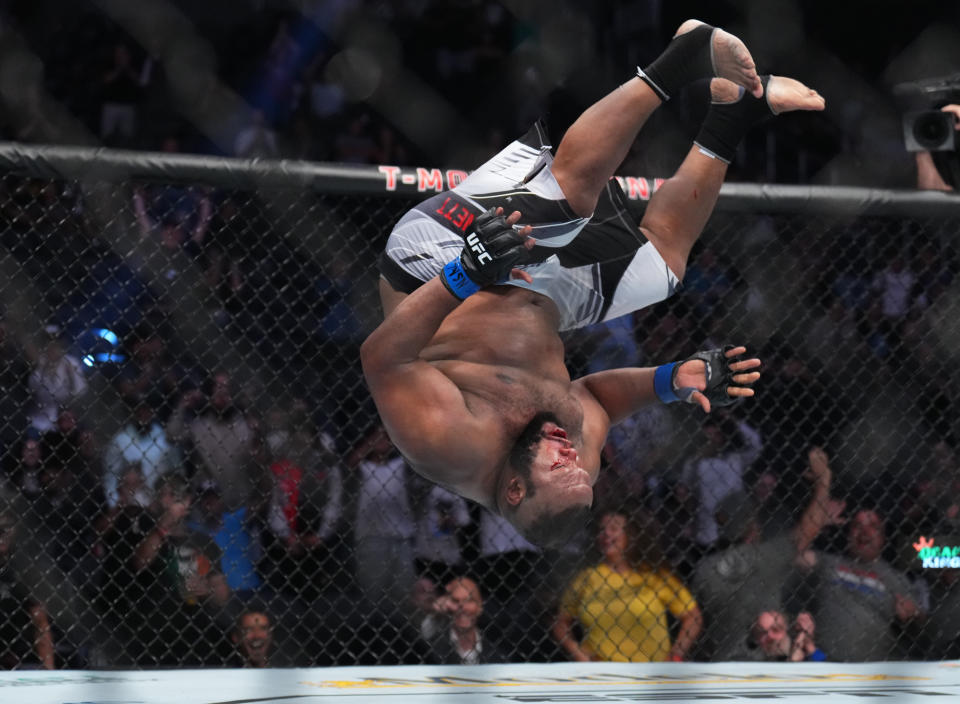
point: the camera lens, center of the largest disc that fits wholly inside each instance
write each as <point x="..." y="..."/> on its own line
<point x="931" y="129"/>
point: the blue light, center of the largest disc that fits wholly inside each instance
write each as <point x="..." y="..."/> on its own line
<point x="107" y="335"/>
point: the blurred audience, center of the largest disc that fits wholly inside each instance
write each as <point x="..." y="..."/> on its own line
<point x="754" y="575"/>
<point x="164" y="591"/>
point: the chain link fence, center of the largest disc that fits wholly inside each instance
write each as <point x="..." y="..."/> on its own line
<point x="194" y="474"/>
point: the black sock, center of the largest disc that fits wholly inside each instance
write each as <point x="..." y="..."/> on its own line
<point x="727" y="123"/>
<point x="688" y="57"/>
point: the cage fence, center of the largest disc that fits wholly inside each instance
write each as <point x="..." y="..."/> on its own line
<point x="188" y="441"/>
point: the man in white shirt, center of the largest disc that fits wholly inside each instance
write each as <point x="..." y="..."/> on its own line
<point x="141" y="442"/>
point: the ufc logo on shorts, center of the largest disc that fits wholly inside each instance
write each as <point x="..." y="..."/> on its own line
<point x="477" y="246"/>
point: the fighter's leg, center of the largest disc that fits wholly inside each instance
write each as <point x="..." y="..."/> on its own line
<point x="596" y="144"/>
<point x="679" y="210"/>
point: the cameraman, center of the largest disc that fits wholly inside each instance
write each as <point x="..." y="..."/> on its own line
<point x="929" y="173"/>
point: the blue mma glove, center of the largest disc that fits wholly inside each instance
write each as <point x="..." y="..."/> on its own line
<point x="719" y="379"/>
<point x="490" y="251"/>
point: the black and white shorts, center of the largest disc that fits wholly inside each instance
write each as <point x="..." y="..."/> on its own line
<point x="594" y="269"/>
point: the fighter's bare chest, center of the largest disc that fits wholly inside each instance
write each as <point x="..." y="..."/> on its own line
<point x="518" y="398"/>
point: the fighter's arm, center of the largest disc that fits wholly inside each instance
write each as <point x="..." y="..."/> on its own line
<point x="708" y="378"/>
<point x="423" y="411"/>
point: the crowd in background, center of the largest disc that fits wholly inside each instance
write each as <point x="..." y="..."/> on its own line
<point x="162" y="509"/>
<point x="260" y="79"/>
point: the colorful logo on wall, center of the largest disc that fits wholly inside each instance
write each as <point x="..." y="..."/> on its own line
<point x="936" y="556"/>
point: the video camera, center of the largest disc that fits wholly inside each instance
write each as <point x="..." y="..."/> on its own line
<point x="925" y="127"/>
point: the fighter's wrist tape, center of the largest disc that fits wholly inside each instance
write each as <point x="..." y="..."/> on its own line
<point x="663" y="383"/>
<point x="457" y="281"/>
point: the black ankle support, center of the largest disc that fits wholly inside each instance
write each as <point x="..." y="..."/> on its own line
<point x="727" y="123"/>
<point x="688" y="57"/>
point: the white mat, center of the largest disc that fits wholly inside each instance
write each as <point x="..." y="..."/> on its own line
<point x="557" y="682"/>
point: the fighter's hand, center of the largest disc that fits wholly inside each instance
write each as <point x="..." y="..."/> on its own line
<point x="716" y="377"/>
<point x="491" y="253"/>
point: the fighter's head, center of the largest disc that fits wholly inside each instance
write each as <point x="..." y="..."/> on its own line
<point x="544" y="491"/>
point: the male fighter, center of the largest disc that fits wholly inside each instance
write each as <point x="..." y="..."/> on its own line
<point x="468" y="375"/>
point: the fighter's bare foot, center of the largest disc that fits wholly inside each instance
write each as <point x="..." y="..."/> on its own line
<point x="788" y="94"/>
<point x="783" y="94"/>
<point x="730" y="57"/>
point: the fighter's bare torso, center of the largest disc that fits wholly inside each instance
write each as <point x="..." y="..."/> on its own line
<point x="506" y="378"/>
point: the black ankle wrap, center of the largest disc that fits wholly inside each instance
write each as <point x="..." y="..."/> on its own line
<point x="688" y="57"/>
<point x="727" y="123"/>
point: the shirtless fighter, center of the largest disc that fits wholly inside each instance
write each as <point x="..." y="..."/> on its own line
<point x="467" y="370"/>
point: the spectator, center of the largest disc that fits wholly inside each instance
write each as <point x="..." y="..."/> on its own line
<point x="26" y="637"/>
<point x="305" y="507"/>
<point x="770" y="639"/>
<point x="895" y="284"/>
<point x="458" y="639"/>
<point x="437" y="547"/>
<point x="221" y="439"/>
<point x="120" y="93"/>
<point x="141" y="443"/>
<point x="253" y="639"/>
<point x="177" y="227"/>
<point x="384" y="525"/>
<point x="717" y="470"/>
<point x="237" y="536"/>
<point x="163" y="585"/>
<point x="750" y="575"/>
<point x="622" y="603"/>
<point x="56" y="381"/>
<point x="862" y="602"/>
<point x="24" y="465"/>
